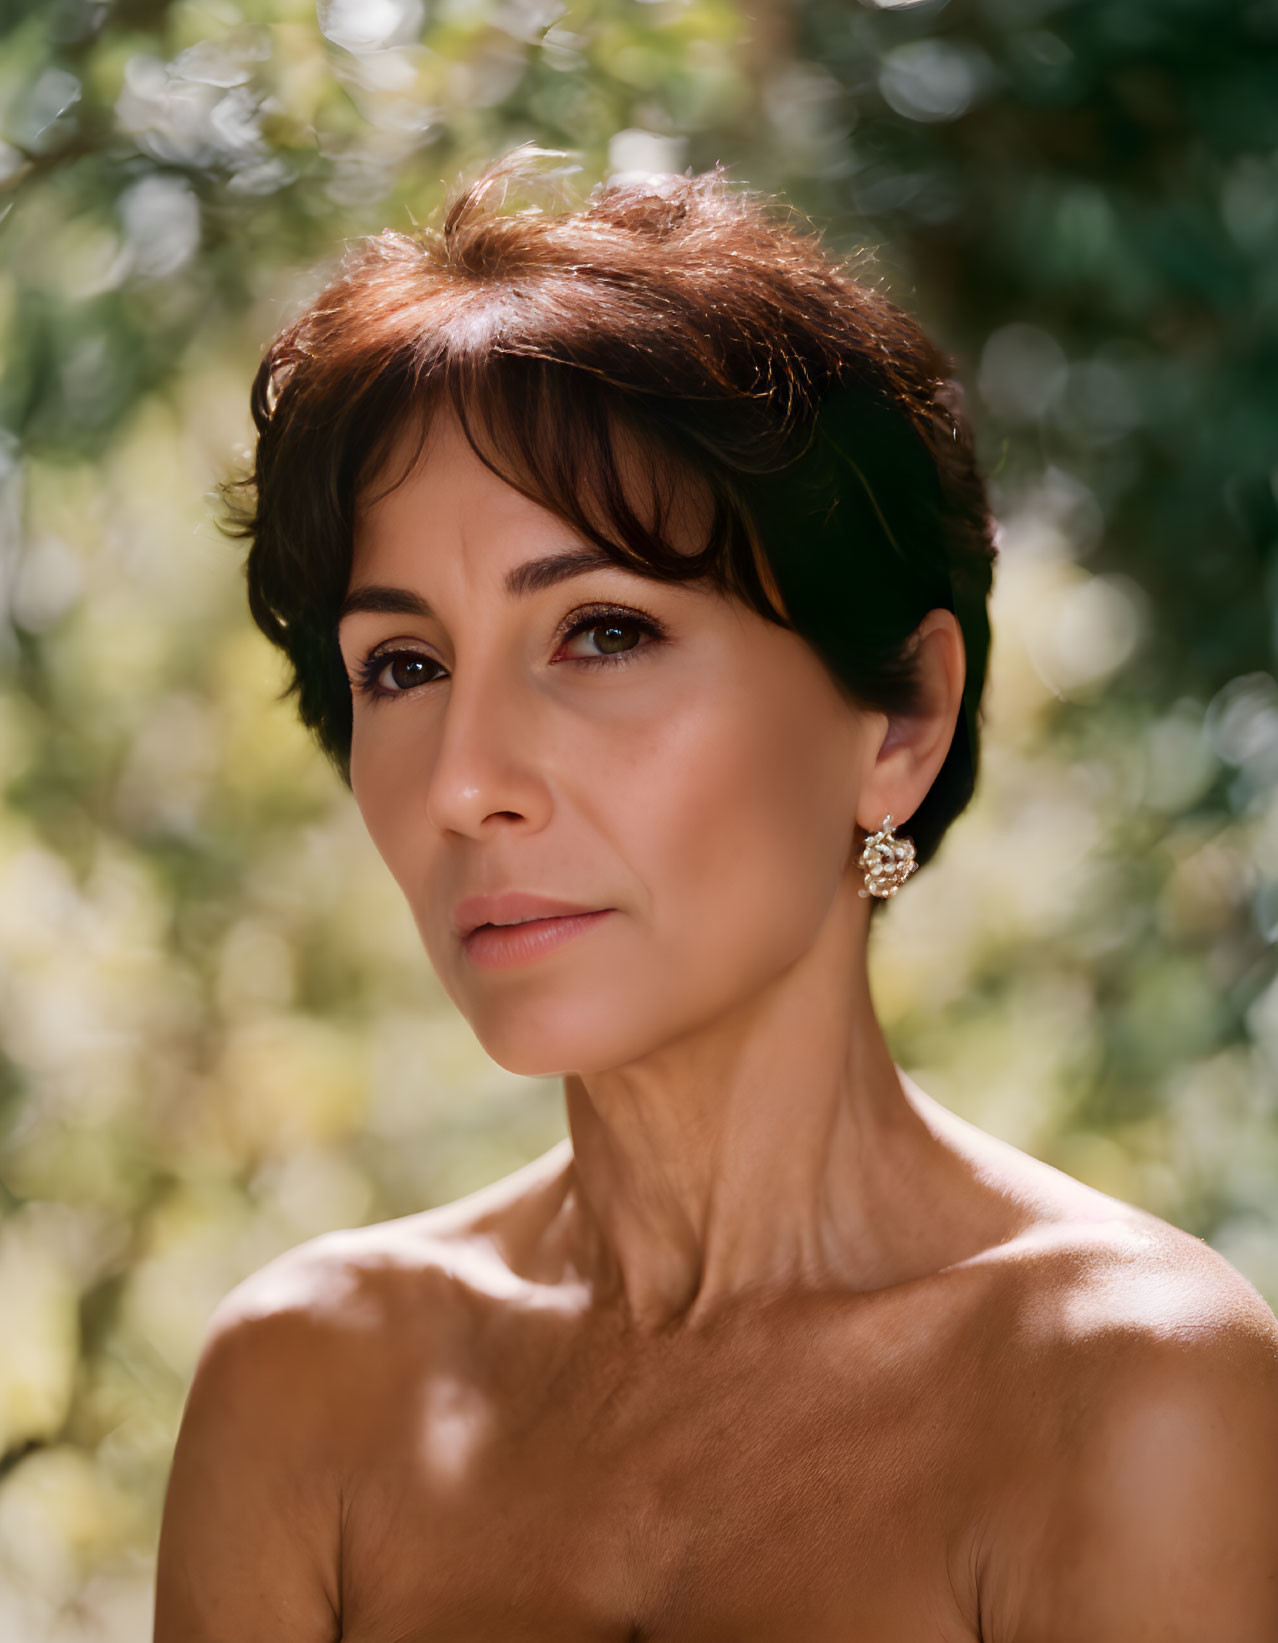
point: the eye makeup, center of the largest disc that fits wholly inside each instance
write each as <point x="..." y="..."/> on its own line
<point x="373" y="670"/>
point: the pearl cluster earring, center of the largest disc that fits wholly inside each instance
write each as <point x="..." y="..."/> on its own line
<point x="887" y="860"/>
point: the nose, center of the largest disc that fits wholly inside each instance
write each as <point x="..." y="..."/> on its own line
<point x="486" y="770"/>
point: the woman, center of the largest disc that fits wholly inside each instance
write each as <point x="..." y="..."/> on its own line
<point x="632" y="564"/>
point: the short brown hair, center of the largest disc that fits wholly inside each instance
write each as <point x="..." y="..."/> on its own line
<point x="709" y="330"/>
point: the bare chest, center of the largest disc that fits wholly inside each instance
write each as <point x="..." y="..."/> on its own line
<point x="779" y="1495"/>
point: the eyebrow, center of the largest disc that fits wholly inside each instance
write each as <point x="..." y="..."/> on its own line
<point x="533" y="576"/>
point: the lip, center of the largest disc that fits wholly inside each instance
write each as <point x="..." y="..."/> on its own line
<point x="511" y="906"/>
<point x="495" y="947"/>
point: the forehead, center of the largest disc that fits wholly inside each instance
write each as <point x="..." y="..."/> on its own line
<point x="432" y="490"/>
<point x="432" y="445"/>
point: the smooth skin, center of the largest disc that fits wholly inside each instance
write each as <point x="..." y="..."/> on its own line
<point x="773" y="1348"/>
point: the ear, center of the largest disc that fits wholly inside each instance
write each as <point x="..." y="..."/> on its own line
<point x="903" y="762"/>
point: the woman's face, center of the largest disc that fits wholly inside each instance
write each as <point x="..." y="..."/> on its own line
<point x="658" y="751"/>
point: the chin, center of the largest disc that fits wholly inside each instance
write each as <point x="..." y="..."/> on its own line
<point x="552" y="1033"/>
<point x="525" y="1042"/>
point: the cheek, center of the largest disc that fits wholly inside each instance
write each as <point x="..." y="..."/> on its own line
<point x="719" y="814"/>
<point x="385" y="802"/>
<point x="748" y="828"/>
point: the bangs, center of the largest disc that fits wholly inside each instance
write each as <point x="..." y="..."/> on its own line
<point x="686" y="379"/>
<point x="623" y="476"/>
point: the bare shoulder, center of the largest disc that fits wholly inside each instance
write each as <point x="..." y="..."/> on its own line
<point x="287" y="1382"/>
<point x="352" y="1305"/>
<point x="1144" y="1501"/>
<point x="1117" y="1276"/>
<point x="1131" y="1463"/>
<point x="298" y="1358"/>
<point x="1087" y="1273"/>
<point x="1103" y="1296"/>
<point x="309" y="1366"/>
<point x="351" y="1289"/>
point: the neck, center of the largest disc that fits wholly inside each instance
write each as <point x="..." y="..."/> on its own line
<point x="775" y="1149"/>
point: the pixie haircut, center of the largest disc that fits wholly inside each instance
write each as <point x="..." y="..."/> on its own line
<point x="680" y="322"/>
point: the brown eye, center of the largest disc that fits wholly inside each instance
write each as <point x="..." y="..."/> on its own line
<point x="404" y="671"/>
<point x="394" y="672"/>
<point x="611" y="636"/>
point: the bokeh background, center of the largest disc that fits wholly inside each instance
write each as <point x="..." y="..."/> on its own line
<point x="219" y="1033"/>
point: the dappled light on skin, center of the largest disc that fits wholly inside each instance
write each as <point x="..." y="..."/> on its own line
<point x="454" y="1425"/>
<point x="193" y="923"/>
<point x="593" y="825"/>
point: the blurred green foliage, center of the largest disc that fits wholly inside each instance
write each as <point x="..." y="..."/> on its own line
<point x="218" y="1032"/>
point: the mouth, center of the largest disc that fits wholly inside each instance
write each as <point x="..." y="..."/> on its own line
<point x="501" y="946"/>
<point x="507" y="909"/>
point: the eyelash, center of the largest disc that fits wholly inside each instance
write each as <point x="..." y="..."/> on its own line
<point x="371" y="668"/>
